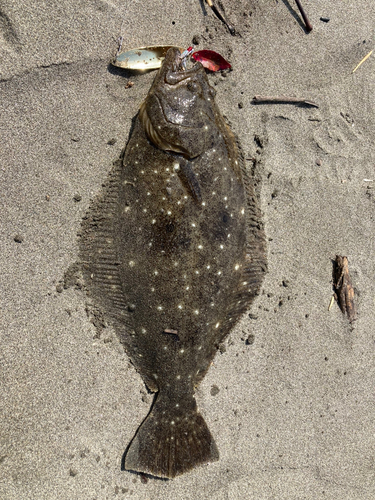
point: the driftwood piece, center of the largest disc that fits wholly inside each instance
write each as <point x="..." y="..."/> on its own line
<point x="343" y="287"/>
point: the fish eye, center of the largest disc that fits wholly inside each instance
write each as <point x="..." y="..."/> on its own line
<point x="193" y="86"/>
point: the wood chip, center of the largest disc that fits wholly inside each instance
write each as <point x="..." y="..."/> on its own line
<point x="343" y="287"/>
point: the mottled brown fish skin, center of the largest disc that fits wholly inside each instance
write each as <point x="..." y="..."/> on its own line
<point x="175" y="258"/>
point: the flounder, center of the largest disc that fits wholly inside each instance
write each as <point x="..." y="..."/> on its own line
<point x="173" y="252"/>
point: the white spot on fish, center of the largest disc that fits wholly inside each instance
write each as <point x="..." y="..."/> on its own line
<point x="159" y="308"/>
<point x="217" y="325"/>
<point x="196" y="311"/>
<point x="176" y="167"/>
<point x="132" y="263"/>
<point x="242" y="211"/>
<point x="236" y="267"/>
<point x="156" y="272"/>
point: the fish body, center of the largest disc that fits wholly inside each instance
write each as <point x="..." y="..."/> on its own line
<point x="174" y="254"/>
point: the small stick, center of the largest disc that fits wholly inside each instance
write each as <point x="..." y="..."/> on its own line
<point x="282" y="99"/>
<point x="305" y="18"/>
<point x="119" y="40"/>
<point x="363" y="60"/>
<point x="331" y="303"/>
<point x="221" y="17"/>
<point x="343" y="287"/>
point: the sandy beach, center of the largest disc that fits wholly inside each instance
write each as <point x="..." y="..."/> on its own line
<point x="290" y="400"/>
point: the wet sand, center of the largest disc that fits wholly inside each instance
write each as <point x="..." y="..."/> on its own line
<point x="291" y="410"/>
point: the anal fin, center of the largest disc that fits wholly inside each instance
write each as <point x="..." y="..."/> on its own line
<point x="98" y="254"/>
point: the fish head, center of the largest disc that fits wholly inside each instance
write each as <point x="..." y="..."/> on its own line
<point x="179" y="113"/>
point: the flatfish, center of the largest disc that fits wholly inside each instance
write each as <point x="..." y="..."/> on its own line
<point x="173" y="252"/>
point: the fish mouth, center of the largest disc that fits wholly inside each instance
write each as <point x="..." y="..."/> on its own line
<point x="175" y="71"/>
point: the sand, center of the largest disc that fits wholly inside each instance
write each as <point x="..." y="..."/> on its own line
<point x="294" y="414"/>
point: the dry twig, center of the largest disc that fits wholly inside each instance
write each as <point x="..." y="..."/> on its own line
<point x="221" y="17"/>
<point x="305" y="18"/>
<point x="282" y="100"/>
<point x="363" y="60"/>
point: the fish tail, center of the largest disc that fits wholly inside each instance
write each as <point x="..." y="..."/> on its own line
<point x="173" y="439"/>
